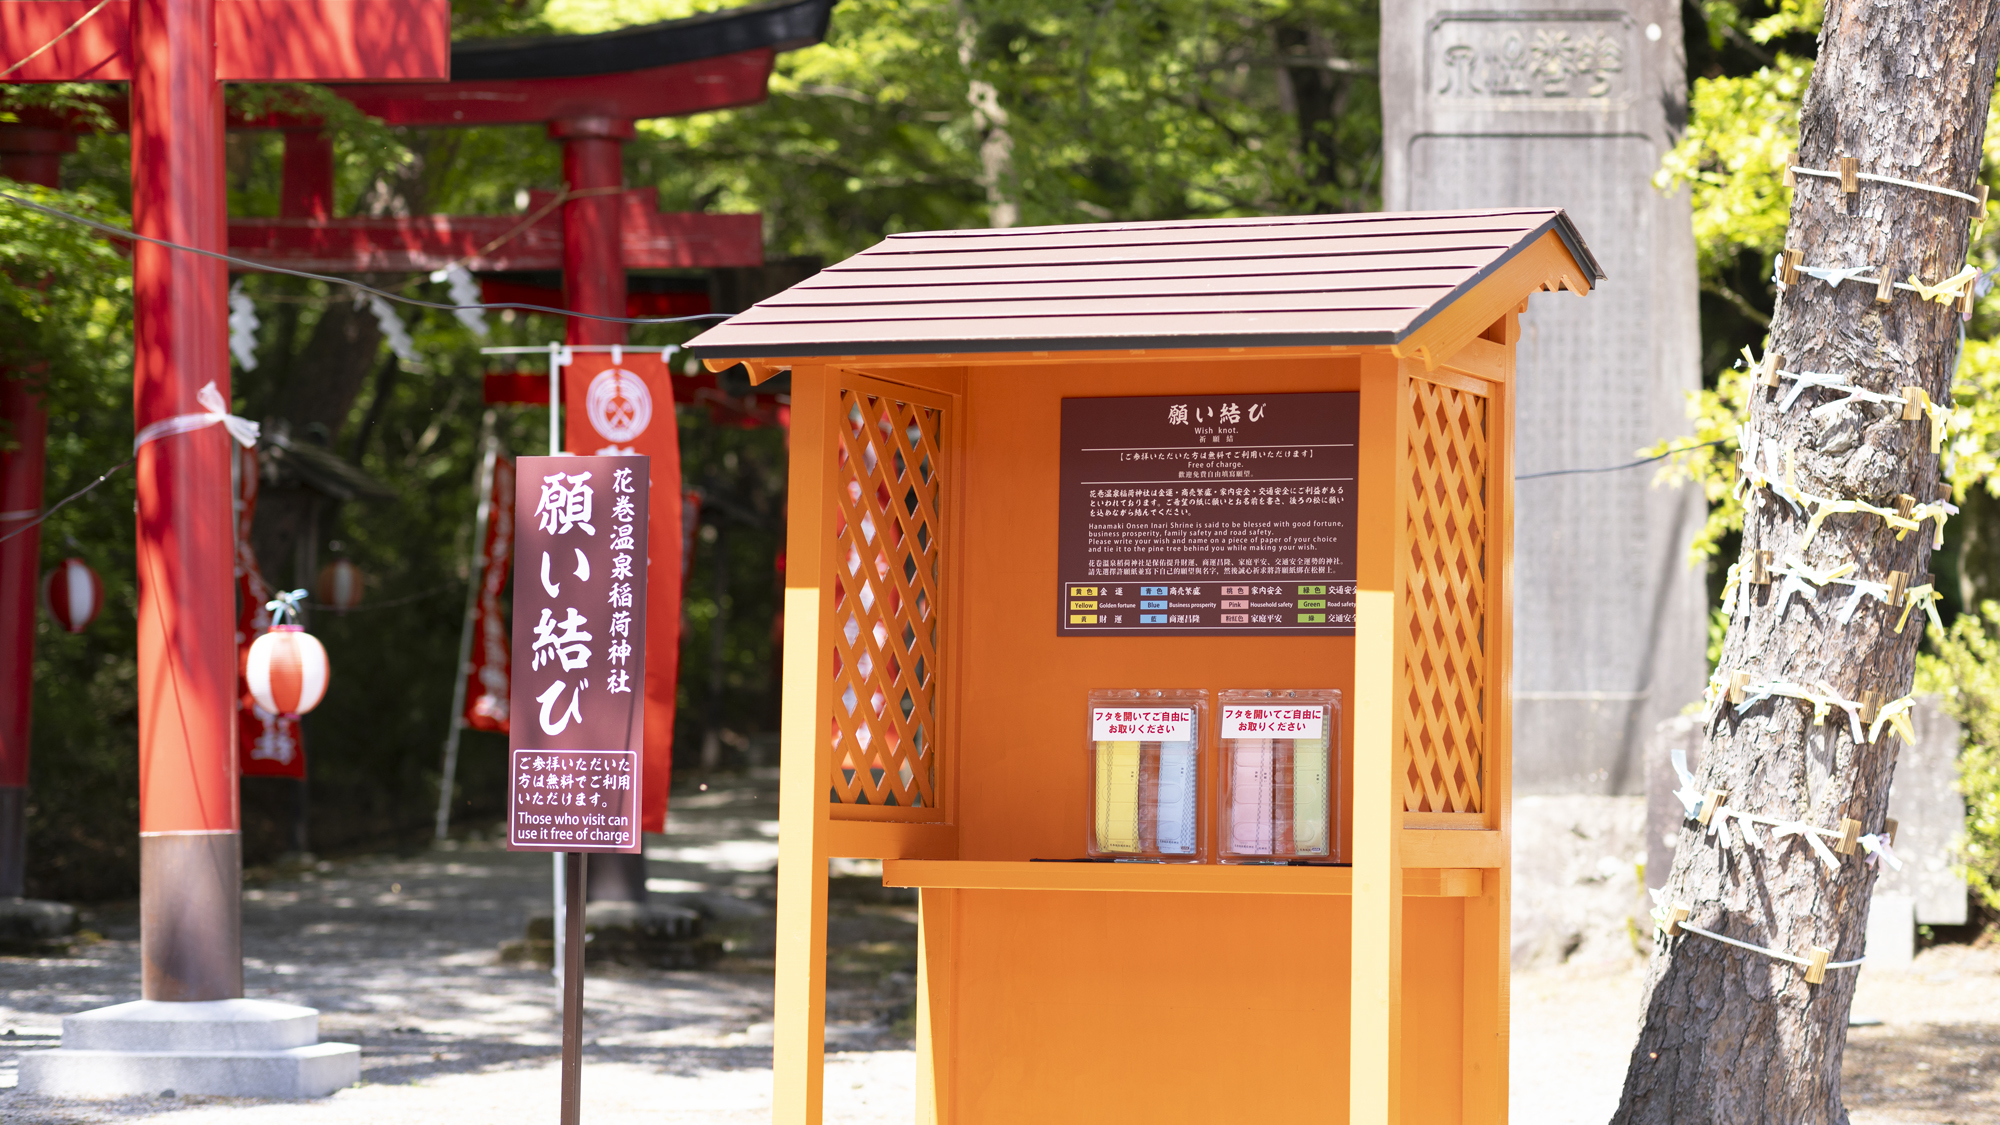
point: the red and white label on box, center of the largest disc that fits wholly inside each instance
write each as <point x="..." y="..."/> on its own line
<point x="1142" y="724"/>
<point x="1255" y="720"/>
<point x="574" y="801"/>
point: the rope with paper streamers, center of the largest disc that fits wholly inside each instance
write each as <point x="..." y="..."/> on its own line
<point x="1801" y="579"/>
<point x="1712" y="811"/>
<point x="1915" y="402"/>
<point x="1786" y="268"/>
<point x="1760" y="466"/>
<point x="1737" y="689"/>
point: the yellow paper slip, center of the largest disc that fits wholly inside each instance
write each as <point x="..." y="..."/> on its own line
<point x="1118" y="796"/>
<point x="1309" y="822"/>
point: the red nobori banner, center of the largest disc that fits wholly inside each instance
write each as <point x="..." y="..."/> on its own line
<point x="579" y="658"/>
<point x="267" y="744"/>
<point x="627" y="408"/>
<point x="486" y="684"/>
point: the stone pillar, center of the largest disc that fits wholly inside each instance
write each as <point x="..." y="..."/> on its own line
<point x="1571" y="104"/>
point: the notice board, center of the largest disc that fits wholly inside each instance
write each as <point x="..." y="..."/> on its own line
<point x="1198" y="515"/>
<point x="579" y="660"/>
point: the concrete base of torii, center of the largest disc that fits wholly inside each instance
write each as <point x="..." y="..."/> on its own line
<point x="235" y="1048"/>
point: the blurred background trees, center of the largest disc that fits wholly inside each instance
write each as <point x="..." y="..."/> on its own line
<point x="913" y="115"/>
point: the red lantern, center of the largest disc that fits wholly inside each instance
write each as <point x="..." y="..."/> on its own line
<point x="72" y="595"/>
<point x="286" y="669"/>
<point x="340" y="585"/>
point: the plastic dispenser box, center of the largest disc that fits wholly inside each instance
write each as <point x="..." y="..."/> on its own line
<point x="1145" y="769"/>
<point x="1280" y="769"/>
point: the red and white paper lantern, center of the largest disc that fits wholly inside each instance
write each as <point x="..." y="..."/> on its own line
<point x="339" y="585"/>
<point x="286" y="671"/>
<point x="72" y="594"/>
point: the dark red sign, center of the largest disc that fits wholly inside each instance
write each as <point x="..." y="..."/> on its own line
<point x="579" y="660"/>
<point x="1198" y="515"/>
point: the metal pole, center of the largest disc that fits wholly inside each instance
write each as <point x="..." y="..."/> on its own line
<point x="560" y="931"/>
<point x="475" y="578"/>
<point x="572" y="989"/>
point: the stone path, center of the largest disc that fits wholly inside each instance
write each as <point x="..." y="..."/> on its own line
<point x="400" y="956"/>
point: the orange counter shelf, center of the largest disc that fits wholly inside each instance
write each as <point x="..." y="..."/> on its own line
<point x="1188" y="878"/>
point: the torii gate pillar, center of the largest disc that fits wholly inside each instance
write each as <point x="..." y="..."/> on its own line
<point x="192" y="1030"/>
<point x="30" y="156"/>
<point x="190" y="844"/>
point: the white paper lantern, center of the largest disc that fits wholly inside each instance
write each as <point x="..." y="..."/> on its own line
<point x="286" y="671"/>
<point x="340" y="585"/>
<point x="72" y="595"/>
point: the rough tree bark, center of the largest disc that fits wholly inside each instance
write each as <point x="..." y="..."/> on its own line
<point x="1733" y="1036"/>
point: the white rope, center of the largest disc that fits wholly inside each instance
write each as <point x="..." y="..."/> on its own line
<point x="1802" y="961"/>
<point x="216" y="411"/>
<point x="1889" y="180"/>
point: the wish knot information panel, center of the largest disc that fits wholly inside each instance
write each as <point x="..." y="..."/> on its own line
<point x="1205" y="514"/>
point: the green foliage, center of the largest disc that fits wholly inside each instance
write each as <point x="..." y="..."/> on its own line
<point x="1112" y="110"/>
<point x="1965" y="674"/>
<point x="1115" y="110"/>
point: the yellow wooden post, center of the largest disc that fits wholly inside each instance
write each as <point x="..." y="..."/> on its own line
<point x="799" y="1022"/>
<point x="1375" y="1075"/>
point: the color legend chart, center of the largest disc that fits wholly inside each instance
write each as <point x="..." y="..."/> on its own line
<point x="1210" y="606"/>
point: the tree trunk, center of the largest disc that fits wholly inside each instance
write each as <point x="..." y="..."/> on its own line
<point x="1731" y="1035"/>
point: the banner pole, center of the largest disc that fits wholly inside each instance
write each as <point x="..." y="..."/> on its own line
<point x="559" y="932"/>
<point x="475" y="577"/>
<point x="572" y="987"/>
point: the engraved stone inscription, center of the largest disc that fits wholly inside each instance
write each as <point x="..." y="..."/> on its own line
<point x="1530" y="61"/>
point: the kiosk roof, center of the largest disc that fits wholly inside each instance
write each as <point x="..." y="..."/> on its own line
<point x="1343" y="280"/>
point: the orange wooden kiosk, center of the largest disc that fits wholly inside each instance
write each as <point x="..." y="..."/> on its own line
<point x="934" y="718"/>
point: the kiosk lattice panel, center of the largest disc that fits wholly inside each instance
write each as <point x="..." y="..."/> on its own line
<point x="886" y="604"/>
<point x="1444" y="667"/>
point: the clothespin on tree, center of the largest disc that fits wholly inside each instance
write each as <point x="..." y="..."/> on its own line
<point x="1790" y="271"/>
<point x="1850" y="836"/>
<point x="1712" y="802"/>
<point x="1739" y="684"/>
<point x="1889" y="830"/>
<point x="1905" y="504"/>
<point x="1899" y="585"/>
<point x="1678" y="915"/>
<point x="1760" y="568"/>
<point x="1816" y="965"/>
<point x="1979" y="209"/>
<point x="1871" y="706"/>
<point x="1850" y="178"/>
<point x="1767" y="369"/>
<point x="1885" y="287"/>
<point x="1913" y="404"/>
<point x="1791" y="169"/>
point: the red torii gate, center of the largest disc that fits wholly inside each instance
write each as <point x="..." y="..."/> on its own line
<point x="176" y="54"/>
<point x="588" y="89"/>
<point x="708" y="62"/>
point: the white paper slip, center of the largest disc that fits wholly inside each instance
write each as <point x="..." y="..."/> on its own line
<point x="1176" y="804"/>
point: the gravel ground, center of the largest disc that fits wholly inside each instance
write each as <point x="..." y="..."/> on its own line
<point x="399" y="954"/>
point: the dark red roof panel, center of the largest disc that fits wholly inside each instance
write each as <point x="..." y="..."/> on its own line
<point x="1261" y="282"/>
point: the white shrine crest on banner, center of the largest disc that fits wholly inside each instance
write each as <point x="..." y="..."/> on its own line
<point x="619" y="405"/>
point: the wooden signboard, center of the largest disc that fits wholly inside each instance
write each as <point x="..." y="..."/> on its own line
<point x="1192" y="515"/>
<point x="577" y="700"/>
